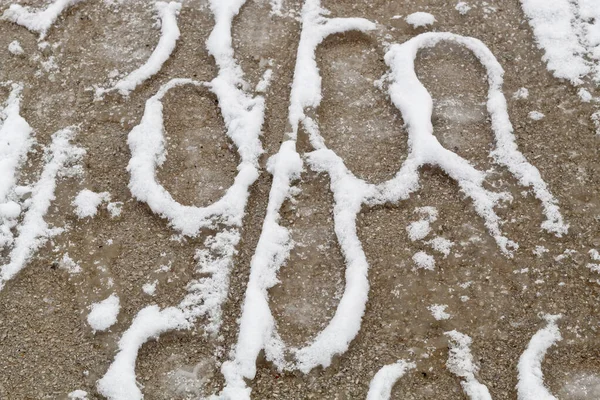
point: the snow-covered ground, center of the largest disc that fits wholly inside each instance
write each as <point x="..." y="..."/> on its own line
<point x="235" y="199"/>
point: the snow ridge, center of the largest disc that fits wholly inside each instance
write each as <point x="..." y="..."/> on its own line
<point x="15" y="143"/>
<point x="460" y="363"/>
<point x="382" y="383"/>
<point x="531" y="379"/>
<point x="415" y="104"/>
<point x="257" y="325"/>
<point x="243" y="115"/>
<point x="167" y="13"/>
<point x="38" y="21"/>
<point x="34" y="231"/>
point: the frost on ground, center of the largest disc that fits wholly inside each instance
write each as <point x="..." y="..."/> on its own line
<point x="420" y="19"/>
<point x="167" y="13"/>
<point x="531" y="379"/>
<point x="33" y="231"/>
<point x="383" y="382"/>
<point x="104" y="314"/>
<point x="460" y="363"/>
<point x="38" y="21"/>
<point x="86" y="203"/>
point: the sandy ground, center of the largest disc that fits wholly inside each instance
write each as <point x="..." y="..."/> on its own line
<point x="46" y="347"/>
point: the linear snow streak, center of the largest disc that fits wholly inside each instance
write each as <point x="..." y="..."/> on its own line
<point x="15" y="143"/>
<point x="569" y="35"/>
<point x="38" y="21"/>
<point x="243" y="116"/>
<point x="382" y="383"/>
<point x="257" y="325"/>
<point x="169" y="34"/>
<point x="531" y="379"/>
<point x="460" y="363"/>
<point x="34" y="231"/>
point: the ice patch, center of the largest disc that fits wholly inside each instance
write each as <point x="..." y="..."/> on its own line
<point x="104" y="314"/>
<point x="531" y="380"/>
<point x="382" y="383"/>
<point x="420" y="19"/>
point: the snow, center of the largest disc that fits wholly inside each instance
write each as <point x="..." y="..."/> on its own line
<point x="119" y="381"/>
<point x="114" y="208"/>
<point x="15" y="143"/>
<point x="415" y="104"/>
<point x="420" y="19"/>
<point x="424" y="261"/>
<point x="438" y="311"/>
<point x="382" y="383"/>
<point x="243" y="117"/>
<point x="69" y="265"/>
<point x="150" y="288"/>
<point x="34" y="231"/>
<point x="104" y="314"/>
<point x="38" y="21"/>
<point x="460" y="363"/>
<point x="265" y="81"/>
<point x="536" y="115"/>
<point x="167" y="12"/>
<point x="15" y="48"/>
<point x="584" y="95"/>
<point x="522" y="93"/>
<point x="78" y="395"/>
<point x="531" y="381"/>
<point x="420" y="229"/>
<point x="441" y="245"/>
<point x="86" y="203"/>
<point x="551" y="23"/>
<point x="462" y="7"/>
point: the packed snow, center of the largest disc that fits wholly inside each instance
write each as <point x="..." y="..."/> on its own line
<point x="104" y="314"/>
